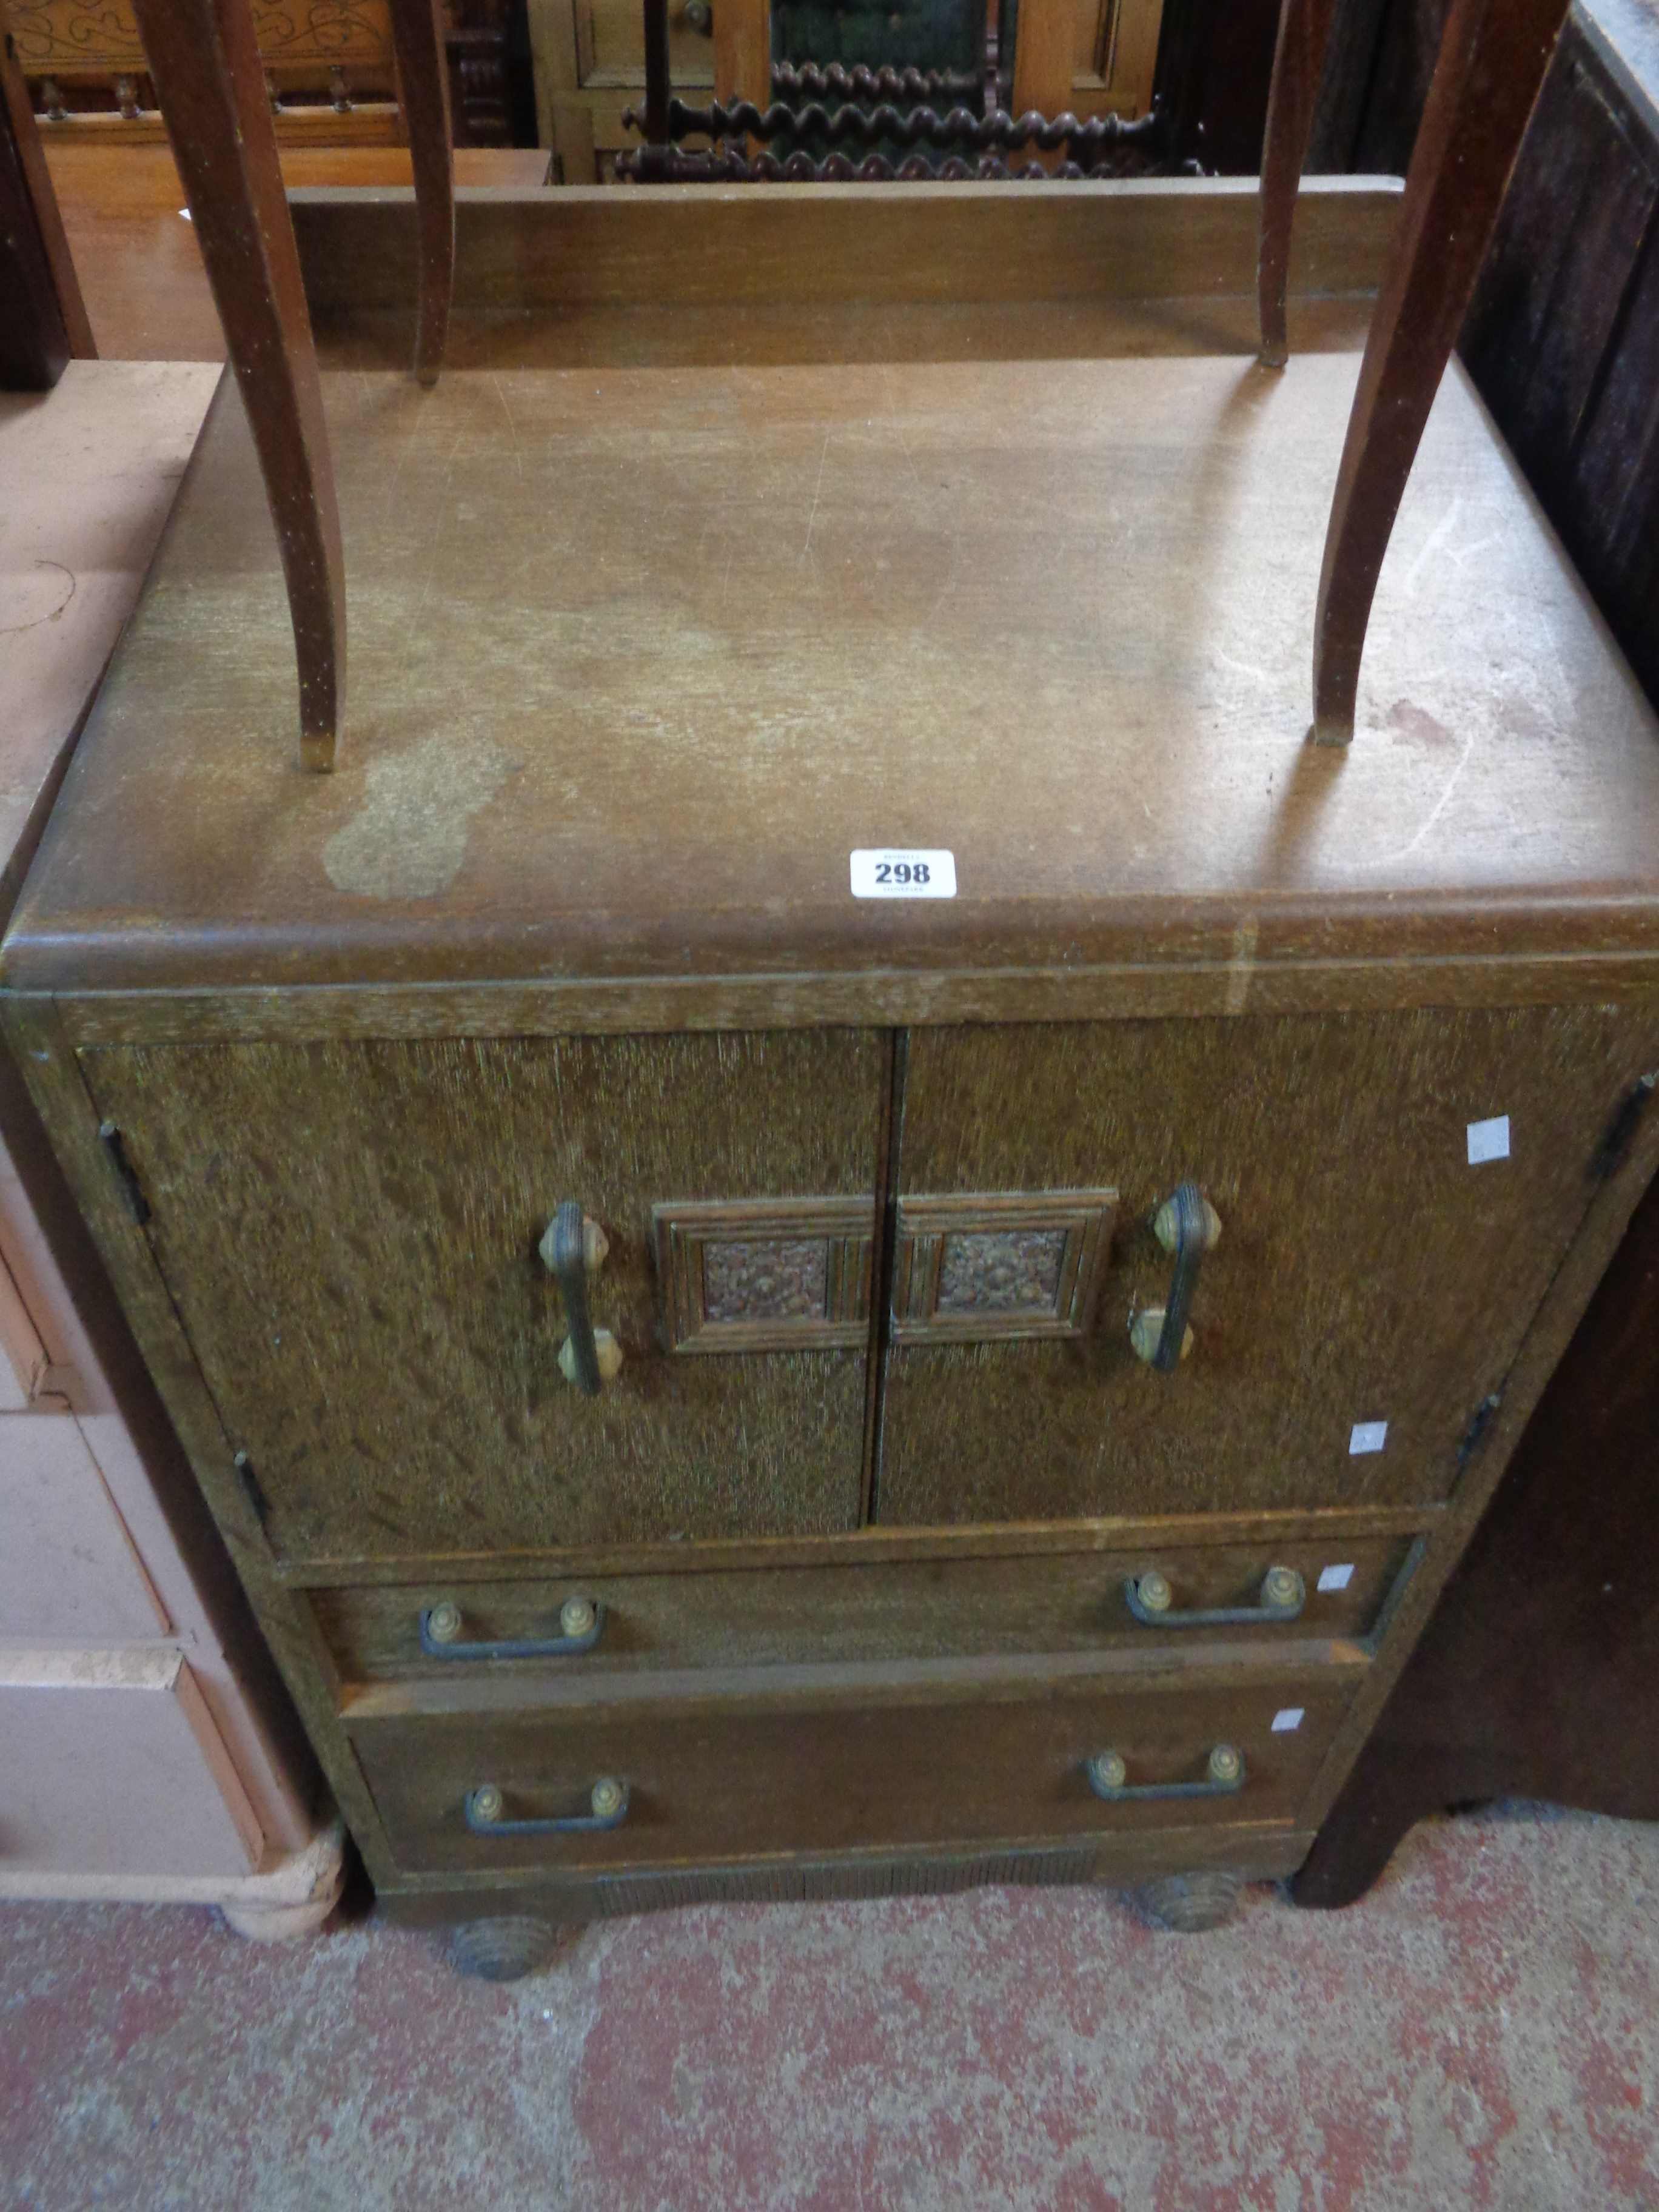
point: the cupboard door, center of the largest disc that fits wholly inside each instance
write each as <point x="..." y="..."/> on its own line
<point x="1394" y="1192"/>
<point x="349" y="1232"/>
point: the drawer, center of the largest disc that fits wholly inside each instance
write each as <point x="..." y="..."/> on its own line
<point x="120" y="1770"/>
<point x="946" y="1762"/>
<point x="69" y="1573"/>
<point x="909" y="1609"/>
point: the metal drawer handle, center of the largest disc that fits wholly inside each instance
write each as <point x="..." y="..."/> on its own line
<point x="1149" y="1598"/>
<point x="581" y="1624"/>
<point x="1188" y="1227"/>
<point x="574" y="1249"/>
<point x="608" y="1797"/>
<point x="1106" y="1776"/>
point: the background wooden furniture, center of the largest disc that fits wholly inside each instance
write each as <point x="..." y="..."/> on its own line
<point x="590" y="61"/>
<point x="136" y="254"/>
<point x="329" y="63"/>
<point x="148" y="1749"/>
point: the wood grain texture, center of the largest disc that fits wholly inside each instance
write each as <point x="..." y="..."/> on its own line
<point x="350" y="1238"/>
<point x="812" y="999"/>
<point x="727" y="246"/>
<point x="423" y="81"/>
<point x="513" y="620"/>
<point x="1304" y="30"/>
<point x="1264" y="1851"/>
<point x="794" y="332"/>
<point x="1334" y="1533"/>
<point x="1492" y="61"/>
<point x="938" y="1609"/>
<point x="208" y="78"/>
<point x="743" y="51"/>
<point x="799" y="1774"/>
<point x="1319" y="1309"/>
<point x="1045" y="57"/>
<point x="139" y="263"/>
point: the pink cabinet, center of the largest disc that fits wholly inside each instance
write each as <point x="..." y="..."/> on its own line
<point x="147" y="1749"/>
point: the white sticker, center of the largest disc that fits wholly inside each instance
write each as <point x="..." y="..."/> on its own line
<point x="1334" y="1577"/>
<point x="1489" y="1140"/>
<point x="1367" y="1437"/>
<point x="1288" y="1717"/>
<point x="888" y="872"/>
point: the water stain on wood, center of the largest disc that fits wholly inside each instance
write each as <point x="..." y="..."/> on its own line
<point x="407" y="839"/>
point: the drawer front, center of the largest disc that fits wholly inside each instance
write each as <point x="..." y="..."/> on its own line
<point x="1394" y="1193"/>
<point x="350" y="1232"/>
<point x="866" y="1611"/>
<point x="703" y="1779"/>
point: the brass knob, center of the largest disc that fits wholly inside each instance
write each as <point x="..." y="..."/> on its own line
<point x="486" y="1802"/>
<point x="1226" y="1764"/>
<point x="589" y="1358"/>
<point x="1146" y="1331"/>
<point x="576" y="1616"/>
<point x="1110" y="1769"/>
<point x="608" y="1797"/>
<point x="607" y="1350"/>
<point x="1154" y="1594"/>
<point x="1282" y="1586"/>
<point x="595" y="1246"/>
<point x="1166" y="1225"/>
<point x="443" y="1622"/>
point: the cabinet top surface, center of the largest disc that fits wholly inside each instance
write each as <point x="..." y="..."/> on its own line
<point x="638" y="658"/>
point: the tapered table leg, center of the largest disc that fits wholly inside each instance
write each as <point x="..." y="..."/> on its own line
<point x="417" y="34"/>
<point x="1491" y="64"/>
<point x="205" y="62"/>
<point x="1304" y="32"/>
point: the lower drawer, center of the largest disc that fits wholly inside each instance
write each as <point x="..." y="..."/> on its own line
<point x="705" y="1779"/>
<point x="875" y="1610"/>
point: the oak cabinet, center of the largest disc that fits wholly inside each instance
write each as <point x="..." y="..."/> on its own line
<point x="911" y="1543"/>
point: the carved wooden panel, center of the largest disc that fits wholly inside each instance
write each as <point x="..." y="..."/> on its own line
<point x="87" y="61"/>
<point x="1014" y="1264"/>
<point x="60" y="38"/>
<point x="791" y="1276"/>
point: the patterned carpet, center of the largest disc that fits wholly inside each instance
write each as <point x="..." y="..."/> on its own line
<point x="1480" y="2031"/>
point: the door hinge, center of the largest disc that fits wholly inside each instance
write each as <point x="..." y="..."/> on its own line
<point x="1616" y="1139"/>
<point x="116" y="1152"/>
<point x="1475" y="1435"/>
<point x="251" y="1487"/>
